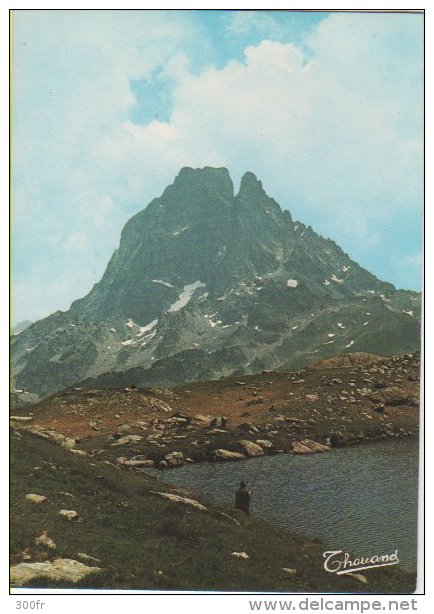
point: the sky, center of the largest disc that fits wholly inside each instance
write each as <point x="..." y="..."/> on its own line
<point x="107" y="106"/>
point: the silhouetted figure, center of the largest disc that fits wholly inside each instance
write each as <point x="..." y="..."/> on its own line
<point x="242" y="498"/>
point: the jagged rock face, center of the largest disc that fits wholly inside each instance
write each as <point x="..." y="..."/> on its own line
<point x="206" y="283"/>
<point x="196" y="231"/>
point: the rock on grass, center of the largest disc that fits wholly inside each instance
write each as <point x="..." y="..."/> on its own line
<point x="182" y="500"/>
<point x="69" y="514"/>
<point x="240" y="555"/>
<point x="36" y="498"/>
<point x="58" y="570"/>
<point x="44" y="540"/>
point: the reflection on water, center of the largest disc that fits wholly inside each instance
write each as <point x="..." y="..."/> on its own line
<point x="362" y="499"/>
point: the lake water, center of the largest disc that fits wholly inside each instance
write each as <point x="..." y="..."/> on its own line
<point x="361" y="499"/>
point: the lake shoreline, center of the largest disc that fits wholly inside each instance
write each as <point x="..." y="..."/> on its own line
<point x="192" y="549"/>
<point x="341" y="402"/>
<point x="325" y="496"/>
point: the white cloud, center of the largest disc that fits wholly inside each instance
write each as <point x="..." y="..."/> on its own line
<point x="323" y="130"/>
<point x="76" y="242"/>
<point x="239" y="23"/>
<point x="335" y="137"/>
<point x="338" y="136"/>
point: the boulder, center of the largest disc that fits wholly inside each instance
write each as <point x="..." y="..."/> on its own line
<point x="127" y="439"/>
<point x="240" y="555"/>
<point x="289" y="570"/>
<point x="124" y="427"/>
<point x="135" y="462"/>
<point x="87" y="558"/>
<point x="22" y="418"/>
<point x="69" y="514"/>
<point x="44" y="540"/>
<point x="203" y="419"/>
<point x="312" y="397"/>
<point x="36" y="498"/>
<point x="248" y="426"/>
<point x="178" y="419"/>
<point x="249" y="448"/>
<point x="308" y="446"/>
<point x="67" y="570"/>
<point x="219" y="421"/>
<point x="226" y="455"/>
<point x="65" y="442"/>
<point x="78" y="452"/>
<point x="174" y="459"/>
<point x="265" y="443"/>
<point x="392" y="396"/>
<point x="179" y="499"/>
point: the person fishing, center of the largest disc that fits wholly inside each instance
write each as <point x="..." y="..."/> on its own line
<point x="242" y="498"/>
<point x="243" y="495"/>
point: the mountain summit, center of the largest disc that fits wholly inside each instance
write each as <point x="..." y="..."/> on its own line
<point x="207" y="283"/>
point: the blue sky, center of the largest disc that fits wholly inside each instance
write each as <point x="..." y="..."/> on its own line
<point x="325" y="108"/>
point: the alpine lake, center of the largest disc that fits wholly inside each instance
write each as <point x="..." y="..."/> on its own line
<point x="362" y="499"/>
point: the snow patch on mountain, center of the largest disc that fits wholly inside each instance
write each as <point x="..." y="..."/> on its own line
<point x="163" y="283"/>
<point x="292" y="283"/>
<point x="147" y="328"/>
<point x="336" y="279"/>
<point x="178" y="232"/>
<point x="185" y="296"/>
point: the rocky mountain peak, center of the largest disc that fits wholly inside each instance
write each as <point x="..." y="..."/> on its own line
<point x="251" y="185"/>
<point x="254" y="201"/>
<point x="205" y="180"/>
<point x="205" y="284"/>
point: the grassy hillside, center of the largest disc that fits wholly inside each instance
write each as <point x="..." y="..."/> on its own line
<point x="145" y="542"/>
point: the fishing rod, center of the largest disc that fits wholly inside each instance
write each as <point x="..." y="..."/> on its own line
<point x="257" y="473"/>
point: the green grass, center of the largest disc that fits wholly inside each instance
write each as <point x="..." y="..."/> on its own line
<point x="144" y="542"/>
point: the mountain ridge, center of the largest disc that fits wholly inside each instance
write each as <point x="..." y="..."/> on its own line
<point x="204" y="275"/>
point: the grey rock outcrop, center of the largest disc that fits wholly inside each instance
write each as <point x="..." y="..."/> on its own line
<point x="308" y="446"/>
<point x="226" y="455"/>
<point x="248" y="448"/>
<point x="58" y="570"/>
<point x="182" y="500"/>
